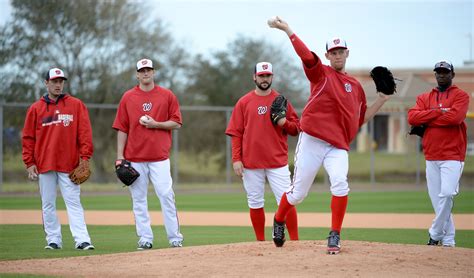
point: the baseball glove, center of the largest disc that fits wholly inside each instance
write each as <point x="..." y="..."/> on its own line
<point x="125" y="172"/>
<point x="81" y="173"/>
<point x="384" y="81"/>
<point x="278" y="109"/>
<point x="417" y="130"/>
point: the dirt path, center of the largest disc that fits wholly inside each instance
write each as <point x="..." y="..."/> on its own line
<point x="257" y="259"/>
<point x="186" y="218"/>
<point x="263" y="259"/>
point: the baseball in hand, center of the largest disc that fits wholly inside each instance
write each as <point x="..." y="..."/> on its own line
<point x="144" y="119"/>
<point x="272" y="21"/>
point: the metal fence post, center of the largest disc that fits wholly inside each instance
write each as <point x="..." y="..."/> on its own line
<point x="228" y="154"/>
<point x="1" y="145"/>
<point x="418" y="160"/>
<point x="175" y="156"/>
<point x="372" y="155"/>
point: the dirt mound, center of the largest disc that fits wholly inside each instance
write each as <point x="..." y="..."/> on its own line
<point x="263" y="259"/>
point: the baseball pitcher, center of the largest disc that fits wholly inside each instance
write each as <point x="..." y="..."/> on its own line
<point x="330" y="120"/>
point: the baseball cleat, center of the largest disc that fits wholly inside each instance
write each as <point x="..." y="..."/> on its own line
<point x="85" y="246"/>
<point x="334" y="243"/>
<point x="177" y="243"/>
<point x="278" y="233"/>
<point x="145" y="246"/>
<point x="433" y="242"/>
<point x="52" y="246"/>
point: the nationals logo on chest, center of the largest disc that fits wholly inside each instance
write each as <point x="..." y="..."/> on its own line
<point x="262" y="110"/>
<point x="147" y="106"/>
<point x="348" y="87"/>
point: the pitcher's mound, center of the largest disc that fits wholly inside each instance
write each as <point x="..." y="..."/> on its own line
<point x="263" y="259"/>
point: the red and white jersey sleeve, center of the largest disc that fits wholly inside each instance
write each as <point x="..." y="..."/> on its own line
<point x="262" y="145"/>
<point x="445" y="136"/>
<point x="146" y="144"/>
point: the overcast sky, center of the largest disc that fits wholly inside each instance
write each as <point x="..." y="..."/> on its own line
<point x="394" y="33"/>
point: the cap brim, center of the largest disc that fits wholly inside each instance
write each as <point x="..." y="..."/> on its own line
<point x="62" y="77"/>
<point x="336" y="47"/>
<point x="145" y="68"/>
<point x="264" y="72"/>
<point x="438" y="68"/>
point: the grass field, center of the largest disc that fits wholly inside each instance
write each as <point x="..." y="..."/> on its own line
<point x="209" y="167"/>
<point x="367" y="202"/>
<point x="27" y="241"/>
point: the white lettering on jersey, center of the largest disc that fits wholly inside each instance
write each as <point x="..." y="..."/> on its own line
<point x="262" y="110"/>
<point x="66" y="119"/>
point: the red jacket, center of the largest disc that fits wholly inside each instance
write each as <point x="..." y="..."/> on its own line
<point x="445" y="137"/>
<point x="56" y="134"/>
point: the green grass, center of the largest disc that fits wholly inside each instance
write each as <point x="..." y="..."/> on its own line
<point x="27" y="241"/>
<point x="364" y="202"/>
<point x="209" y="167"/>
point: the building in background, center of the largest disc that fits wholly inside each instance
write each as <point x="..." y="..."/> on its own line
<point x="390" y="124"/>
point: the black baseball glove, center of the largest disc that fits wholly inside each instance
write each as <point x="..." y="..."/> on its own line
<point x="278" y="109"/>
<point x="384" y="81"/>
<point x="417" y="130"/>
<point x="125" y="172"/>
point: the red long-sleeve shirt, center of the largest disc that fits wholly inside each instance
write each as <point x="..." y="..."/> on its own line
<point x="445" y="137"/>
<point x="56" y="134"/>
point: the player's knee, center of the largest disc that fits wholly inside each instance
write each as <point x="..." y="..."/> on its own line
<point x="339" y="186"/>
<point x="296" y="198"/>
<point x="255" y="204"/>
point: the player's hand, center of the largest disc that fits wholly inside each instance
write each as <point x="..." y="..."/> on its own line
<point x="32" y="173"/>
<point x="147" y="122"/>
<point x="279" y="23"/>
<point x="238" y="168"/>
<point x="281" y="122"/>
<point x="383" y="97"/>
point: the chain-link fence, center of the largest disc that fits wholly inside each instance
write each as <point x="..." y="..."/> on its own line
<point x="201" y="152"/>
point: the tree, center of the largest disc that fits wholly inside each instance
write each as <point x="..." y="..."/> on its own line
<point x="97" y="44"/>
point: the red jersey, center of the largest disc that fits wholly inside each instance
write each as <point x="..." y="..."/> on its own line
<point x="56" y="134"/>
<point x="147" y="144"/>
<point x="336" y="107"/>
<point x="255" y="140"/>
<point x="445" y="136"/>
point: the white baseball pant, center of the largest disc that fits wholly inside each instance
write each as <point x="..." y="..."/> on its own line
<point x="160" y="176"/>
<point x="254" y="184"/>
<point x="48" y="183"/>
<point x="310" y="154"/>
<point x="442" y="179"/>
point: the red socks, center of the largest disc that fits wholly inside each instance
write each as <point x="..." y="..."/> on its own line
<point x="283" y="209"/>
<point x="257" y="216"/>
<point x="292" y="223"/>
<point x="338" y="209"/>
<point x="285" y="213"/>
